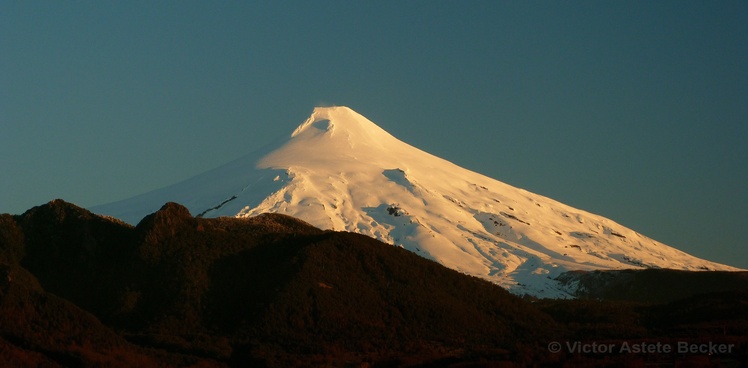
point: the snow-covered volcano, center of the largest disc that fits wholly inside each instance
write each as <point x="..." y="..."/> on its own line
<point x="340" y="171"/>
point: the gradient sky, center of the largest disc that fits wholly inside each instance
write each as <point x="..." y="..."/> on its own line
<point x="637" y="111"/>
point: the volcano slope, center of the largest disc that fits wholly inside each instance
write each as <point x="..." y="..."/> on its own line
<point x="340" y="171"/>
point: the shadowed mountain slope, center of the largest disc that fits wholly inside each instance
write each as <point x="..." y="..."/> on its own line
<point x="261" y="289"/>
<point x="653" y="285"/>
<point x="78" y="289"/>
<point x="39" y="328"/>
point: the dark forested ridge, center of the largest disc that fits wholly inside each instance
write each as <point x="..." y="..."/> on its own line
<point x="78" y="289"/>
<point x="652" y="285"/>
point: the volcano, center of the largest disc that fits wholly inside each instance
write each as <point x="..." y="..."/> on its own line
<point x="340" y="171"/>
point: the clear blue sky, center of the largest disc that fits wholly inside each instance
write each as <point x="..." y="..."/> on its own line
<point x="637" y="111"/>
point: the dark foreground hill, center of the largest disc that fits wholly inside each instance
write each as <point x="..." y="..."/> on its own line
<point x="652" y="285"/>
<point x="271" y="289"/>
<point x="77" y="289"/>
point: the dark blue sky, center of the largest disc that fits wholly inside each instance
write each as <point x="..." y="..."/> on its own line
<point x="637" y="111"/>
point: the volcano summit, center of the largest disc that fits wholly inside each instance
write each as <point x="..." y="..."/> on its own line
<point x="340" y="171"/>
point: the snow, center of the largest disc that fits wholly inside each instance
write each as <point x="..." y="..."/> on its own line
<point x="340" y="171"/>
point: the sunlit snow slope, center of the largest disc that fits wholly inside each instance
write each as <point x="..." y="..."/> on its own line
<point x="340" y="171"/>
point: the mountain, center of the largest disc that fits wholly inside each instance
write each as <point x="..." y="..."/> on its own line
<point x="51" y="318"/>
<point x="83" y="290"/>
<point x="340" y="171"/>
<point x="177" y="291"/>
<point x="652" y="285"/>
